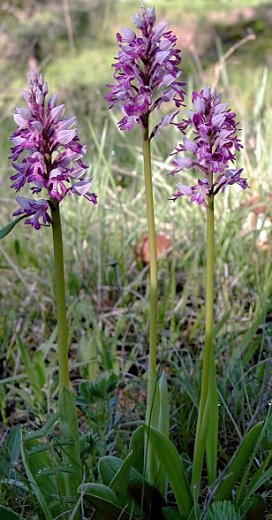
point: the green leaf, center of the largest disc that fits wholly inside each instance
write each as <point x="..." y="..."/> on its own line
<point x="122" y="479"/>
<point x="172" y="466"/>
<point x="137" y="446"/>
<point x="104" y="500"/>
<point x="8" y="228"/>
<point x="69" y="429"/>
<point x="108" y="466"/>
<point x="118" y="470"/>
<point x="238" y="462"/>
<point x="32" y="467"/>
<point x="119" y="483"/>
<point x="8" y="514"/>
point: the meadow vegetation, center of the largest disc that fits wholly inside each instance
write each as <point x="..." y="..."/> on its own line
<point x="107" y="280"/>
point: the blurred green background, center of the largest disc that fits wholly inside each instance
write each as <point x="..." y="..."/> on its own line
<point x="73" y="42"/>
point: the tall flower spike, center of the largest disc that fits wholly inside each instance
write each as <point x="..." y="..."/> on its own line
<point x="52" y="154"/>
<point x="212" y="149"/>
<point x="146" y="72"/>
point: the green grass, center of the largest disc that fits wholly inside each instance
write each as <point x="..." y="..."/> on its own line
<point x="107" y="289"/>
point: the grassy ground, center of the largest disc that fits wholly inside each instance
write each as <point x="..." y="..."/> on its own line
<point x="107" y="287"/>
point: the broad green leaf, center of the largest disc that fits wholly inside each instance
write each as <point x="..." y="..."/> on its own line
<point x="137" y="446"/>
<point x="104" y="500"/>
<point x="238" y="462"/>
<point x="123" y="482"/>
<point x="69" y="429"/>
<point x="172" y="466"/>
<point x="32" y="467"/>
<point x="8" y="514"/>
<point x="120" y="480"/>
<point x="8" y="228"/>
<point x="108" y="466"/>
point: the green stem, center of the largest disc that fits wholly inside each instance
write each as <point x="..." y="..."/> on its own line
<point x="208" y="385"/>
<point x="67" y="409"/>
<point x="60" y="297"/>
<point x="151" y="412"/>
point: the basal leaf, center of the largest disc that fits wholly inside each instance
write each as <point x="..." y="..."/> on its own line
<point x="121" y="479"/>
<point x="32" y="467"/>
<point x="137" y="446"/>
<point x="108" y="466"/>
<point x="69" y="429"/>
<point x="172" y="466"/>
<point x="104" y="500"/>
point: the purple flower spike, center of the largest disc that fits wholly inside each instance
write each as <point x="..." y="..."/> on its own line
<point x="212" y="148"/>
<point x="146" y="72"/>
<point x="52" y="156"/>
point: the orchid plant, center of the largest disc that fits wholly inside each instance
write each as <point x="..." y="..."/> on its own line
<point x="48" y="158"/>
<point x="146" y="76"/>
<point x="210" y="152"/>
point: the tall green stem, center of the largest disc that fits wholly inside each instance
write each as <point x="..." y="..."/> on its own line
<point x="60" y="297"/>
<point x="151" y="412"/>
<point x="206" y="432"/>
<point x="67" y="409"/>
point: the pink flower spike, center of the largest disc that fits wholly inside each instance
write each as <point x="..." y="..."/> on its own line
<point x="146" y="72"/>
<point x="52" y="153"/>
<point x="213" y="148"/>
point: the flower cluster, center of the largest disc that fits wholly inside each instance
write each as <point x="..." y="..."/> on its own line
<point x="212" y="148"/>
<point x="52" y="154"/>
<point x="146" y="72"/>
